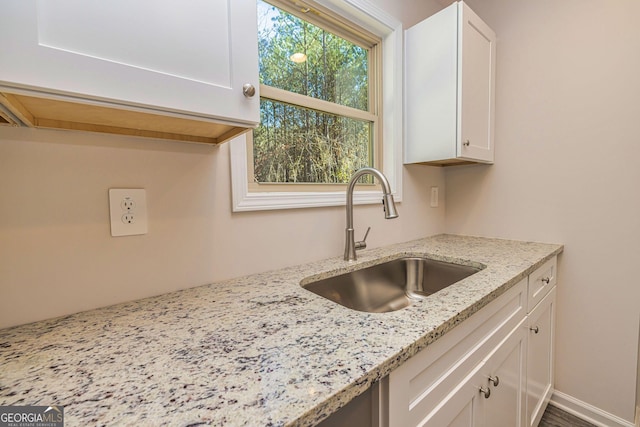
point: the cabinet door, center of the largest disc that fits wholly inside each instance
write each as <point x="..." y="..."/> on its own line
<point x="540" y="369"/>
<point x="431" y="112"/>
<point x="449" y="88"/>
<point x="463" y="407"/>
<point x="476" y="80"/>
<point x="505" y="377"/>
<point x="187" y="57"/>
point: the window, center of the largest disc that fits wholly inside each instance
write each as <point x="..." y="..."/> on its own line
<point x="319" y="100"/>
<point x="323" y="85"/>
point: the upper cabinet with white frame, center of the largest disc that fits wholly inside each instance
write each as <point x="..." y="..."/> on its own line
<point x="449" y="89"/>
<point x="156" y="68"/>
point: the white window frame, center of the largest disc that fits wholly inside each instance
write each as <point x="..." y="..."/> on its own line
<point x="389" y="29"/>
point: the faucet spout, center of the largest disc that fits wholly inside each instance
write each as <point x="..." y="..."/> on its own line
<point x="388" y="203"/>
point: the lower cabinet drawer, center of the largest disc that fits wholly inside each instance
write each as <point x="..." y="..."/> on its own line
<point x="541" y="281"/>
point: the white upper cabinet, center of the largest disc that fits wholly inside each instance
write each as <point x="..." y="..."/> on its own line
<point x="449" y="89"/>
<point x="162" y="66"/>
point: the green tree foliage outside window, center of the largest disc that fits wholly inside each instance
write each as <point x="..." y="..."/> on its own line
<point x="294" y="144"/>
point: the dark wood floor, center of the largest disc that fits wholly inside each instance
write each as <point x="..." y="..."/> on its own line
<point x="554" y="417"/>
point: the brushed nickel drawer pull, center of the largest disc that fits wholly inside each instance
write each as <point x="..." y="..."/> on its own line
<point x="495" y="380"/>
<point x="486" y="392"/>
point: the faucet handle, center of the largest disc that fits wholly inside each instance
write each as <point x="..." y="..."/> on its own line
<point x="364" y="239"/>
<point x="363" y="243"/>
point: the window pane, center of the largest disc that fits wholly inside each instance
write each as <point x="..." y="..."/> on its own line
<point x="326" y="66"/>
<point x="295" y="144"/>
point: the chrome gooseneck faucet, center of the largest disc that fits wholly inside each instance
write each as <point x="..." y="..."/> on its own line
<point x="388" y="203"/>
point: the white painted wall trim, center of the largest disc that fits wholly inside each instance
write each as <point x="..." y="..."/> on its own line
<point x="587" y="412"/>
<point x="373" y="19"/>
<point x="243" y="200"/>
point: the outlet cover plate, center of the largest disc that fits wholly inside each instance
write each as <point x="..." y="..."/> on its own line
<point x="128" y="211"/>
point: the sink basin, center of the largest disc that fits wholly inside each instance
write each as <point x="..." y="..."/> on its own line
<point x="391" y="285"/>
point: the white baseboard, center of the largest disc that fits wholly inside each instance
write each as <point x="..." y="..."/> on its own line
<point x="588" y="412"/>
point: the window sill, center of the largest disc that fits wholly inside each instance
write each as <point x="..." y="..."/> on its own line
<point x="243" y="200"/>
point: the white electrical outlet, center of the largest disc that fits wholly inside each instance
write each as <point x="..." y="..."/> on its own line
<point x="128" y="210"/>
<point x="128" y="204"/>
<point x="128" y="218"/>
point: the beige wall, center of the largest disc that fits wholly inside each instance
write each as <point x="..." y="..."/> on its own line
<point x="57" y="255"/>
<point x="567" y="144"/>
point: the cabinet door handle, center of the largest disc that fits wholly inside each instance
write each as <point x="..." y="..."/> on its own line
<point x="495" y="380"/>
<point x="248" y="90"/>
<point x="535" y="329"/>
<point x="546" y="280"/>
<point x="466" y="143"/>
<point x="486" y="392"/>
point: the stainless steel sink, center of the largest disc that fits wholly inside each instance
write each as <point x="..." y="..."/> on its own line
<point x="391" y="285"/>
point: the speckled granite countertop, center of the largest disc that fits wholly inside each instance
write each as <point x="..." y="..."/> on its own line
<point x="252" y="351"/>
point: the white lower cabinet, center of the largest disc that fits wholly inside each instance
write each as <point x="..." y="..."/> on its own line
<point x="540" y="368"/>
<point x="492" y="394"/>
<point x="441" y="385"/>
<point x="461" y="408"/>
<point x="495" y="369"/>
<point x="505" y="382"/>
